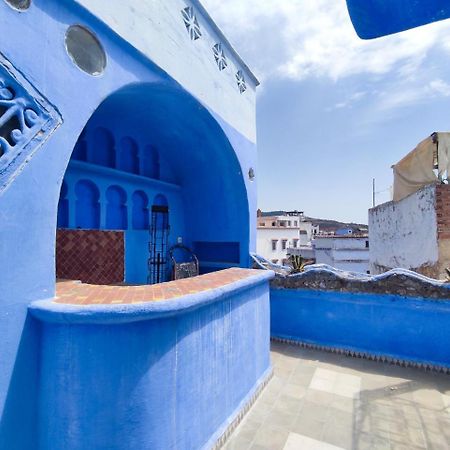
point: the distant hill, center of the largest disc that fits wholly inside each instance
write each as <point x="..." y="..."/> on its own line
<point x="324" y="224"/>
<point x="333" y="225"/>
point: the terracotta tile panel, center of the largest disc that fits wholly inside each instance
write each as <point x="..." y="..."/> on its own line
<point x="92" y="256"/>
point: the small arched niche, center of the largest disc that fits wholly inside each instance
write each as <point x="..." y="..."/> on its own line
<point x="116" y="209"/>
<point x="151" y="163"/>
<point x="87" y="206"/>
<point x="129" y="155"/>
<point x="103" y="148"/>
<point x="141" y="213"/>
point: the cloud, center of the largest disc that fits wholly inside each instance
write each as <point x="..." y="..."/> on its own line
<point x="349" y="101"/>
<point x="298" y="39"/>
<point x="400" y="97"/>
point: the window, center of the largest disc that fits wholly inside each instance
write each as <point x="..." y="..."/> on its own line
<point x="289" y="223"/>
<point x="295" y="223"/>
<point x="284" y="244"/>
<point x="20" y="5"/>
<point x="295" y="243"/>
<point x="274" y="224"/>
<point x="262" y="224"/>
<point x="367" y="244"/>
<point x="274" y="244"/>
<point x="85" y="50"/>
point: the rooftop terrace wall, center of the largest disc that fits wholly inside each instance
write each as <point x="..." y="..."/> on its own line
<point x="175" y="373"/>
<point x="399" y="316"/>
<point x="413" y="233"/>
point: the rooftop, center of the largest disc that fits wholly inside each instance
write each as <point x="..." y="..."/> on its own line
<point x="318" y="400"/>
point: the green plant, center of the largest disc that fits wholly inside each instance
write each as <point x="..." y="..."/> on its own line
<point x="447" y="278"/>
<point x="298" y="263"/>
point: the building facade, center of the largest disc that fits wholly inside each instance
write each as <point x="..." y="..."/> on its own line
<point x="412" y="233"/>
<point x="350" y="253"/>
<point x="124" y="129"/>
<point x="278" y="234"/>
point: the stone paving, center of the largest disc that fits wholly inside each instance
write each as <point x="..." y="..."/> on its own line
<point x="319" y="400"/>
<point x="76" y="293"/>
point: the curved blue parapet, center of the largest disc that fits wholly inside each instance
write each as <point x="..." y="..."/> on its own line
<point x="157" y="375"/>
<point x="375" y="18"/>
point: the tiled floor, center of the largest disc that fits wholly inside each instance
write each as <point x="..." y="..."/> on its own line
<point x="76" y="293"/>
<point x="318" y="400"/>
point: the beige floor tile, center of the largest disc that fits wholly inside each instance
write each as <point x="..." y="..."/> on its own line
<point x="346" y="403"/>
<point x="300" y="442"/>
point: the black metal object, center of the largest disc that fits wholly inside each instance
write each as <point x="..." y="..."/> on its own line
<point x="184" y="262"/>
<point x="159" y="236"/>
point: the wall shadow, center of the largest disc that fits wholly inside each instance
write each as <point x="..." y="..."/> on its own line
<point x="18" y="424"/>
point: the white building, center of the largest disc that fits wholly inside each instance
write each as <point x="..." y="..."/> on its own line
<point x="349" y="253"/>
<point x="278" y="234"/>
<point x="413" y="230"/>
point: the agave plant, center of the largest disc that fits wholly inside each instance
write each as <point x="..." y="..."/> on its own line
<point x="447" y="278"/>
<point x="298" y="263"/>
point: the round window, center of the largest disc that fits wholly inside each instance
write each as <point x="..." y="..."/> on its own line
<point x="20" y="5"/>
<point x="85" y="50"/>
<point x="251" y="174"/>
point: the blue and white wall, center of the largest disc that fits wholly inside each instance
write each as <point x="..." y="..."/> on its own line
<point x="202" y="128"/>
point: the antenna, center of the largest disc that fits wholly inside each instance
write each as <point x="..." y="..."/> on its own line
<point x="373" y="192"/>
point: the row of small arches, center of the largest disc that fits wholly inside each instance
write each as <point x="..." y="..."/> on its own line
<point x="88" y="208"/>
<point x="126" y="156"/>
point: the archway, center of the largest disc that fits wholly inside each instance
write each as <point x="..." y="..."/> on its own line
<point x="171" y="146"/>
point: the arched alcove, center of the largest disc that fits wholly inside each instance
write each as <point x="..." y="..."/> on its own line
<point x="103" y="150"/>
<point x="150" y="162"/>
<point x="160" y="200"/>
<point x="63" y="207"/>
<point x="129" y="155"/>
<point x="192" y="177"/>
<point x="141" y="212"/>
<point x="87" y="206"/>
<point x="116" y="208"/>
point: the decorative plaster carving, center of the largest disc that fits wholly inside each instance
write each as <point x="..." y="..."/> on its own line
<point x="241" y="81"/>
<point x="219" y="56"/>
<point x="191" y="22"/>
<point x="26" y="120"/>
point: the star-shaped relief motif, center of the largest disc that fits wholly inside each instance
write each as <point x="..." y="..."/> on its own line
<point x="191" y="22"/>
<point x="220" y="57"/>
<point x="240" y="79"/>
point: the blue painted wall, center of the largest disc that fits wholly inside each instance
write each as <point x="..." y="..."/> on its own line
<point x="412" y="329"/>
<point x="162" y="375"/>
<point x="205" y="154"/>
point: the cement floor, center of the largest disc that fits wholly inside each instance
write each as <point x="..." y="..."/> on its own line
<point x="319" y="400"/>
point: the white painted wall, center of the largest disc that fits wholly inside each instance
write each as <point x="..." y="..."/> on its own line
<point x="345" y="253"/>
<point x="286" y="227"/>
<point x="264" y="242"/>
<point x="404" y="233"/>
<point x="156" y="29"/>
